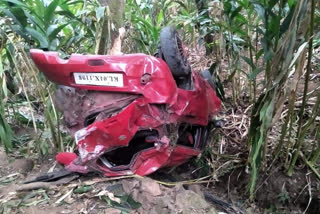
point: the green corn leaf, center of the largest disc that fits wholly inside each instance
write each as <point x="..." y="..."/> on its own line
<point x="5" y="130"/>
<point x="9" y="54"/>
<point x="68" y="2"/>
<point x="227" y="6"/>
<point x="259" y="54"/>
<point x="13" y="17"/>
<point x="19" y="15"/>
<point x="83" y="189"/>
<point x="272" y="3"/>
<point x="50" y="12"/>
<point x="16" y="3"/>
<point x="241" y="20"/>
<point x="160" y="18"/>
<point x="235" y="12"/>
<point x="36" y="21"/>
<point x="68" y="14"/>
<point x="255" y="73"/>
<point x="182" y="4"/>
<point x="244" y="3"/>
<point x="20" y="31"/>
<point x="53" y="44"/>
<point x="38" y="36"/>
<point x="273" y="26"/>
<point x="53" y="34"/>
<point x="292" y="3"/>
<point x="286" y="23"/>
<point x="40" y="8"/>
<point x="131" y="202"/>
<point x="249" y="62"/>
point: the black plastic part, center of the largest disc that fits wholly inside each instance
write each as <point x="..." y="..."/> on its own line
<point x="51" y="176"/>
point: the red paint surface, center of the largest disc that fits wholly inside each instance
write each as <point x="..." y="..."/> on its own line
<point x="196" y="107"/>
<point x="66" y="158"/>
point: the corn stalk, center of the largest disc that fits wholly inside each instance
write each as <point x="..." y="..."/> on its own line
<point x="300" y="133"/>
<point x="277" y="75"/>
<point x="5" y="130"/>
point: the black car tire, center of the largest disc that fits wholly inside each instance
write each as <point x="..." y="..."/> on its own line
<point x="172" y="52"/>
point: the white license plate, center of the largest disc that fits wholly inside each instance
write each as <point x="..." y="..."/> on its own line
<point x="101" y="79"/>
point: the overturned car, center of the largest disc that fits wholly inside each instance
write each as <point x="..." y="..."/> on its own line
<point x="132" y="114"/>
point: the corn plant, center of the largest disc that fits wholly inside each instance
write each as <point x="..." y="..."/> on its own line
<point x="147" y="19"/>
<point x="49" y="26"/>
<point x="278" y="60"/>
<point x="303" y="129"/>
<point x="188" y="19"/>
<point x="5" y="129"/>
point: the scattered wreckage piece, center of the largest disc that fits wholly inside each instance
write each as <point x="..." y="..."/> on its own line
<point x="131" y="114"/>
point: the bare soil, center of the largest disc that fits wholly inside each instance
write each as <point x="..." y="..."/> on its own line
<point x="103" y="196"/>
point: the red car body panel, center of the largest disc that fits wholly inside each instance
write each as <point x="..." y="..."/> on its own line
<point x="132" y="66"/>
<point x="159" y="105"/>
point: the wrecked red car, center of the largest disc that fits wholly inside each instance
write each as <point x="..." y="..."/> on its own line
<point x="134" y="113"/>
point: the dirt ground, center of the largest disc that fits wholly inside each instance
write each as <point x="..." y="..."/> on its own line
<point x="92" y="194"/>
<point x="162" y="192"/>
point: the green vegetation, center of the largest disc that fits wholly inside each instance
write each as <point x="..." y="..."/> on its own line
<point x="262" y="51"/>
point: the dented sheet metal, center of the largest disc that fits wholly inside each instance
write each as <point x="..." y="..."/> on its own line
<point x="126" y="113"/>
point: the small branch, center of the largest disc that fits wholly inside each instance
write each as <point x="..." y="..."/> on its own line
<point x="310" y="165"/>
<point x="99" y="180"/>
<point x="45" y="185"/>
<point x="230" y="138"/>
